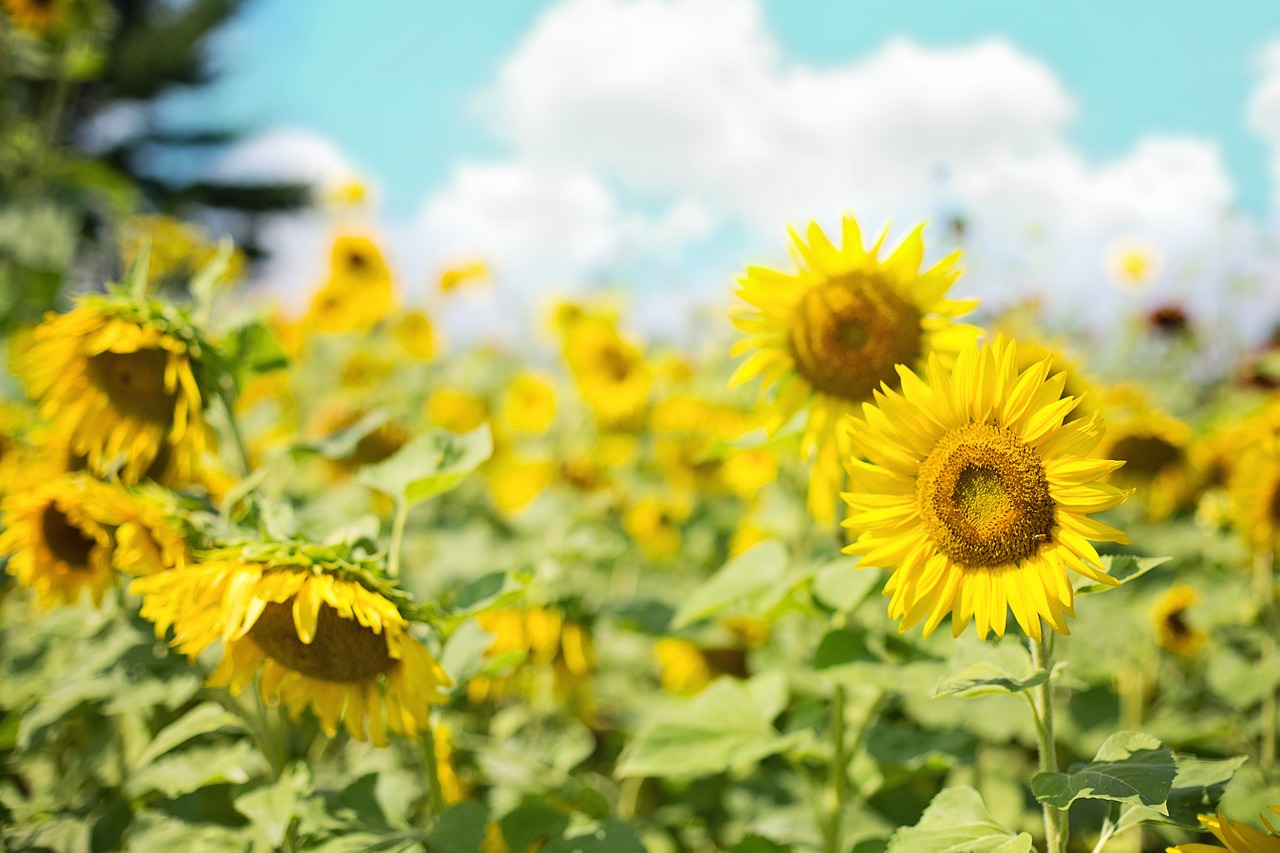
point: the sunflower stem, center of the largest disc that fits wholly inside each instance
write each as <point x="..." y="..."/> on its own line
<point x="839" y="774"/>
<point x="397" y="538"/>
<point x="1055" y="824"/>
<point x="1265" y="596"/>
<point x="431" y="769"/>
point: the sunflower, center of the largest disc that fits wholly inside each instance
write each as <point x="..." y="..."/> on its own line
<point x="1170" y="618"/>
<point x="529" y="404"/>
<point x="456" y="410"/>
<point x="470" y="272"/>
<point x="1238" y="837"/>
<point x="122" y="388"/>
<point x="654" y="525"/>
<point x="37" y="16"/>
<point x="58" y="537"/>
<point x="359" y="290"/>
<point x="1133" y="263"/>
<point x="970" y="487"/>
<point x="1255" y="494"/>
<point x="829" y="334"/>
<point x="148" y="535"/>
<point x="374" y="446"/>
<point x="417" y="336"/>
<point x="1154" y="448"/>
<point x="608" y="369"/>
<point x="552" y="648"/>
<point x="685" y="667"/>
<point x="515" y="480"/>
<point x="309" y="629"/>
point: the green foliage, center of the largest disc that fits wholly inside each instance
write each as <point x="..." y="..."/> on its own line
<point x="430" y="465"/>
<point x="957" y="822"/>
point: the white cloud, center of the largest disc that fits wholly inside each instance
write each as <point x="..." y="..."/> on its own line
<point x="1264" y="106"/>
<point x="286" y="154"/>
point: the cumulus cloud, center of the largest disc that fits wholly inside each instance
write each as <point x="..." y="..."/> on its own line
<point x="286" y="154"/>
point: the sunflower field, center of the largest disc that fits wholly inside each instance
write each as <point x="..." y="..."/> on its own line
<point x="865" y="566"/>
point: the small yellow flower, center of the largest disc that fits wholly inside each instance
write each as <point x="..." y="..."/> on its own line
<point x="456" y="410"/>
<point x="417" y="335"/>
<point x="515" y="481"/>
<point x="359" y="291"/>
<point x="310" y="635"/>
<point x="554" y="648"/>
<point x="654" y="525"/>
<point x="470" y="272"/>
<point x="451" y="787"/>
<point x="825" y="337"/>
<point x="529" y="404"/>
<point x="1170" y="618"/>
<point x="1238" y="836"/>
<point x="685" y="668"/>
<point x="1133" y="263"/>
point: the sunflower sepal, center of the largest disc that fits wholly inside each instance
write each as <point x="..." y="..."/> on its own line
<point x="1121" y="568"/>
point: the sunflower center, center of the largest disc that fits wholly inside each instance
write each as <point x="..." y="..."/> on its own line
<point x="342" y="650"/>
<point x="1176" y="625"/>
<point x="67" y="542"/>
<point x="1145" y="456"/>
<point x="1275" y="503"/>
<point x="615" y="363"/>
<point x="847" y="335"/>
<point x="134" y="383"/>
<point x="984" y="497"/>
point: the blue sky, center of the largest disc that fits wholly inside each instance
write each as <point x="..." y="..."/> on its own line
<point x="393" y="82"/>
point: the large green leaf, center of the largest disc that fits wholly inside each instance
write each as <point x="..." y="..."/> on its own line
<point x="430" y="465"/>
<point x="727" y="725"/>
<point x="271" y="808"/>
<point x="612" y="836"/>
<point x="460" y="829"/>
<point x="957" y="822"/>
<point x="1130" y="767"/>
<point x="1198" y="785"/>
<point x="754" y="573"/>
<point x="842" y="586"/>
<point x="201" y="720"/>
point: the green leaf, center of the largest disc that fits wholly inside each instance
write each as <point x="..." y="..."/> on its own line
<point x="250" y="350"/>
<point x="1196" y="790"/>
<point x="903" y="745"/>
<point x="1130" y="767"/>
<point x="957" y="822"/>
<point x="983" y="679"/>
<point x="272" y="807"/>
<point x="460" y="829"/>
<point x="727" y="725"/>
<point x="757" y="844"/>
<point x="200" y="720"/>
<point x="430" y="465"/>
<point x="531" y="823"/>
<point x="613" y="836"/>
<point x="753" y="573"/>
<point x="205" y="284"/>
<point x="192" y="769"/>
<point x="840" y="647"/>
<point x="1122" y="567"/>
<point x="156" y="831"/>
<point x="842" y="586"/>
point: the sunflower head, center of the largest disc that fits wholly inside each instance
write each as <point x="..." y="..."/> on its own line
<point x="1155" y="450"/>
<point x="1238" y="836"/>
<point x="1255" y="494"/>
<point x="969" y="486"/>
<point x="827" y="335"/>
<point x="58" y="534"/>
<point x="124" y="380"/>
<point x="1175" y="633"/>
<point x="548" y="647"/>
<point x="456" y="410"/>
<point x="609" y="369"/>
<point x="317" y="627"/>
<point x="417" y="336"/>
<point x="529" y="404"/>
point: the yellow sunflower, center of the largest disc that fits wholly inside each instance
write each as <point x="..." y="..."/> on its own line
<point x="469" y="272"/>
<point x="555" y="649"/>
<point x="1255" y="494"/>
<point x="608" y="369"/>
<point x="968" y="485"/>
<point x="313" y="636"/>
<point x="456" y="410"/>
<point x="529" y="404"/>
<point x="827" y="335"/>
<point x="37" y="16"/>
<point x="359" y="291"/>
<point x="1238" y="837"/>
<point x="417" y="336"/>
<point x="653" y="523"/>
<point x="1155" y="450"/>
<point x="1175" y="634"/>
<point x="123" y="390"/>
<point x="515" y="480"/>
<point x="685" y="668"/>
<point x="58" y="537"/>
<point x="374" y="446"/>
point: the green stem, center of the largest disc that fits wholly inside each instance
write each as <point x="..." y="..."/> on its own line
<point x="1055" y="824"/>
<point x="237" y="439"/>
<point x="397" y="539"/>
<point x="838" y="783"/>
<point x="1265" y="595"/>
<point x="431" y="769"/>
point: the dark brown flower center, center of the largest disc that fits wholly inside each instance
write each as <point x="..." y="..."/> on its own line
<point x="847" y="335"/>
<point x="984" y="497"/>
<point x="1145" y="456"/>
<point x="342" y="650"/>
<point x="615" y="363"/>
<point x="64" y="540"/>
<point x="1176" y="625"/>
<point x="134" y="383"/>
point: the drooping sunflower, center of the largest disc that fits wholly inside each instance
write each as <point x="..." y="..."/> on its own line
<point x="827" y="335"/>
<point x="1238" y="836"/>
<point x="1255" y="494"/>
<point x="1176" y="635"/>
<point x="968" y="485"/>
<point x="58" y="537"/>
<point x="310" y="630"/>
<point x="121" y="384"/>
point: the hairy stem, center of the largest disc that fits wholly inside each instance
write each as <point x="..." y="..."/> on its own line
<point x="1055" y="819"/>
